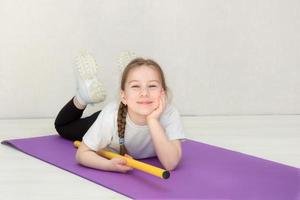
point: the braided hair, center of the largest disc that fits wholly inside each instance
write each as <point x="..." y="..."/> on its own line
<point x="121" y="120"/>
<point x="122" y="112"/>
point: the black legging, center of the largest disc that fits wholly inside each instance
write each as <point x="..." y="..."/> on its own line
<point x="69" y="123"/>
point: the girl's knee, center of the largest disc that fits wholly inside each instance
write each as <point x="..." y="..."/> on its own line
<point x="60" y="131"/>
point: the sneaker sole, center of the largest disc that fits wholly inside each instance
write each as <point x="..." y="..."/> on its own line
<point x="87" y="69"/>
<point x="97" y="92"/>
<point x="125" y="58"/>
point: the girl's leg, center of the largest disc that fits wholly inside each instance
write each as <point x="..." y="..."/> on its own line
<point x="90" y="90"/>
<point x="69" y="123"/>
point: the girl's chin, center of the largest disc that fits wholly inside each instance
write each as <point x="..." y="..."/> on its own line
<point x="145" y="112"/>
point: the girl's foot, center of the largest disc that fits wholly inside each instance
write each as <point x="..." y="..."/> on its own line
<point x="124" y="59"/>
<point x="89" y="88"/>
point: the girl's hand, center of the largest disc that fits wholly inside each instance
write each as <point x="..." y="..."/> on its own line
<point x="155" y="114"/>
<point x="119" y="165"/>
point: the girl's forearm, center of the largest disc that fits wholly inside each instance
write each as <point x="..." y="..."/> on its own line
<point x="93" y="160"/>
<point x="167" y="152"/>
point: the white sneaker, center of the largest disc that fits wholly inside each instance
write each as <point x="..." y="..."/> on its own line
<point x="89" y="88"/>
<point x="125" y="58"/>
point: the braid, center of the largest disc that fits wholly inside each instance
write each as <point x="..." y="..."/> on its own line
<point x="121" y="121"/>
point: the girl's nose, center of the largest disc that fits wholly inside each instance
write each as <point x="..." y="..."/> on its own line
<point x="144" y="91"/>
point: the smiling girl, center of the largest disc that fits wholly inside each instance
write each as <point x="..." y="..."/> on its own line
<point x="141" y="125"/>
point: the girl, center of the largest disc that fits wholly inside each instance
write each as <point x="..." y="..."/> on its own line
<point x="142" y="125"/>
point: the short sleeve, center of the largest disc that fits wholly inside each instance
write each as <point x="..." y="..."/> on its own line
<point x="100" y="134"/>
<point x="171" y="122"/>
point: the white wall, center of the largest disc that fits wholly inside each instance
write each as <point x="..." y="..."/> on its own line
<point x="220" y="57"/>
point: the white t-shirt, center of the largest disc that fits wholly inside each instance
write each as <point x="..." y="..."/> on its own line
<point x="104" y="132"/>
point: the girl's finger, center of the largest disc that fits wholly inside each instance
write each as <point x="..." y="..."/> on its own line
<point x="128" y="156"/>
<point x="160" y="104"/>
<point x="163" y="100"/>
<point x="121" y="161"/>
<point x="124" y="168"/>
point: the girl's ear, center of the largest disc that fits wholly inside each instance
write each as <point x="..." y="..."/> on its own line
<point x="123" y="97"/>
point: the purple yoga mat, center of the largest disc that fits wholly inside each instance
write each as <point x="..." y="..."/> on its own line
<point x="205" y="172"/>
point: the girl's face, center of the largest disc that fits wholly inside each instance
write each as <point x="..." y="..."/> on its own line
<point x="142" y="92"/>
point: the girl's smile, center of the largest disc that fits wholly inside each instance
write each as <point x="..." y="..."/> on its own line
<point x="145" y="102"/>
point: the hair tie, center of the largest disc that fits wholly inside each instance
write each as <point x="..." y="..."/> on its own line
<point x="121" y="141"/>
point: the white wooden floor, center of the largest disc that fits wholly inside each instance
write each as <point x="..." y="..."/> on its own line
<point x="274" y="138"/>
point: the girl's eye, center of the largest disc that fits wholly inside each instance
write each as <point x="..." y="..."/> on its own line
<point x="152" y="86"/>
<point x="135" y="86"/>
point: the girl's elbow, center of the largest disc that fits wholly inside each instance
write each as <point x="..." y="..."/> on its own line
<point x="78" y="157"/>
<point x="81" y="152"/>
<point x="171" y="165"/>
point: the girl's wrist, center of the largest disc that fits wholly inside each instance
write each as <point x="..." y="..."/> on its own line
<point x="151" y="120"/>
<point x="107" y="165"/>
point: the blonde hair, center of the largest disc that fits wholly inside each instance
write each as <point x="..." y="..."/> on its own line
<point x="122" y="112"/>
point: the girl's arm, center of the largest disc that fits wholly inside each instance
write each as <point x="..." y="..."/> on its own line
<point x="89" y="158"/>
<point x="168" y="151"/>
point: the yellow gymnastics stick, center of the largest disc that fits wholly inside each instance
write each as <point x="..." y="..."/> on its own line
<point x="150" y="169"/>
